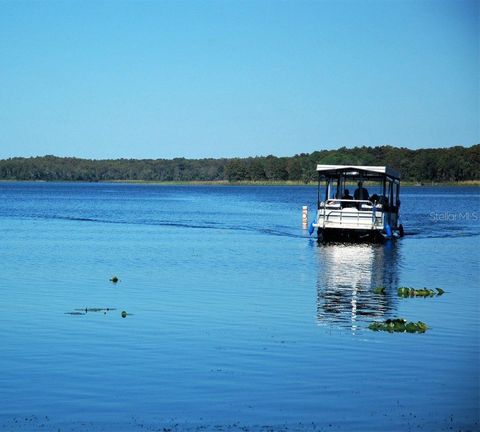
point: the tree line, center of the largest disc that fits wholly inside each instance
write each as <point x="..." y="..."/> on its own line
<point x="422" y="165"/>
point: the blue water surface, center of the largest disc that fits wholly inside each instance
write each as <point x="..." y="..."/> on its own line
<point x="237" y="319"/>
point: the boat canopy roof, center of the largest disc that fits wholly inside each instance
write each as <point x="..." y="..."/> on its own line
<point x="354" y="171"/>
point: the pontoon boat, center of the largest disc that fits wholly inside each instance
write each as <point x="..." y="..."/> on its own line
<point x="371" y="213"/>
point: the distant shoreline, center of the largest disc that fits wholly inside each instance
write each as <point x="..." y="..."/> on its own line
<point x="428" y="166"/>
<point x="471" y="183"/>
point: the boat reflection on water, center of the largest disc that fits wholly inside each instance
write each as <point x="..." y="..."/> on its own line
<point x="347" y="277"/>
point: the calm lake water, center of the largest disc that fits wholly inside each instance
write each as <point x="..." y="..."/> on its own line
<point x="237" y="320"/>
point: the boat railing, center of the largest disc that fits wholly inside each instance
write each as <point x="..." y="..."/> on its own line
<point x="336" y="205"/>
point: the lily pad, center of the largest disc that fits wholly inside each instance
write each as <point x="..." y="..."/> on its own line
<point x="398" y="325"/>
<point x="411" y="327"/>
<point x="422" y="292"/>
<point x="379" y="290"/>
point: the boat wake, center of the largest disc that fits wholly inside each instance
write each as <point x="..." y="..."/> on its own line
<point x="207" y="225"/>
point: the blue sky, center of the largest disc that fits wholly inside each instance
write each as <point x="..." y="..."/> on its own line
<point x="166" y="79"/>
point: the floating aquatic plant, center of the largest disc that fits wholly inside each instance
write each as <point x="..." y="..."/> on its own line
<point x="412" y="292"/>
<point x="124" y="314"/>
<point x="399" y="325"/>
<point x="379" y="290"/>
<point x="423" y="292"/>
<point x="87" y="309"/>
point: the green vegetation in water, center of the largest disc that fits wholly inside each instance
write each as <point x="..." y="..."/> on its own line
<point x="379" y="290"/>
<point x="114" y="279"/>
<point x="124" y="314"/>
<point x="412" y="292"/>
<point x="399" y="325"/>
<point x="423" y="292"/>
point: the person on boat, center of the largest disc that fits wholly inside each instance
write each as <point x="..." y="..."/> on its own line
<point x="347" y="196"/>
<point x="361" y="193"/>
